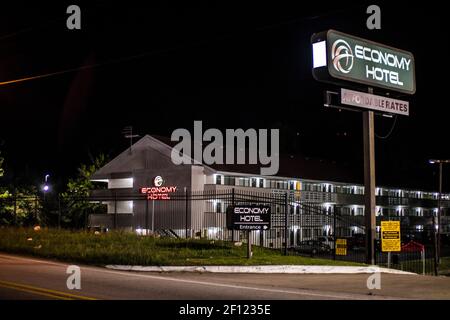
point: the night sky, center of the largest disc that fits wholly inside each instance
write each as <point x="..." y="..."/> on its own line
<point x="160" y="67"/>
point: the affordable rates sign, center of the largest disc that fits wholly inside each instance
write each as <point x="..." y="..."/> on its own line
<point x="338" y="56"/>
<point x="373" y="102"/>
<point x="248" y="217"/>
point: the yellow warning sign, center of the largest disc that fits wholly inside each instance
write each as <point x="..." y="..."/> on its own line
<point x="341" y="247"/>
<point x="390" y="236"/>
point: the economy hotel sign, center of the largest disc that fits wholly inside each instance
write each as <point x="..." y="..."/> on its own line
<point x="158" y="191"/>
<point x="341" y="57"/>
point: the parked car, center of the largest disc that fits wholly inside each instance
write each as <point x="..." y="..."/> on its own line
<point x="312" y="247"/>
<point x="327" y="240"/>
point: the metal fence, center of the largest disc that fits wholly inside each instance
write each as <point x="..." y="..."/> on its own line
<point x="298" y="226"/>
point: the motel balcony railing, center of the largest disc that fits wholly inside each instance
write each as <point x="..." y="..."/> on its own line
<point x="343" y="198"/>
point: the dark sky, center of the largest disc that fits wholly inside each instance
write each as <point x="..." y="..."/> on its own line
<point x="160" y="67"/>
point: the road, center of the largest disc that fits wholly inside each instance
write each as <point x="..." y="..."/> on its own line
<point x="32" y="278"/>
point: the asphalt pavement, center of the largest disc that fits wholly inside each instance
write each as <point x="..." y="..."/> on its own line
<point x="32" y="278"/>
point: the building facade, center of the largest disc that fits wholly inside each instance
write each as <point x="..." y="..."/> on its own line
<point x="144" y="179"/>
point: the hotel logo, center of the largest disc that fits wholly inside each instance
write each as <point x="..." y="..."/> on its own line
<point x="158" y="181"/>
<point x="342" y="56"/>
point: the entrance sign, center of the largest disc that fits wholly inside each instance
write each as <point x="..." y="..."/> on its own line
<point x="390" y="236"/>
<point x="339" y="57"/>
<point x="374" y="102"/>
<point x="248" y="217"/>
<point x="341" y="247"/>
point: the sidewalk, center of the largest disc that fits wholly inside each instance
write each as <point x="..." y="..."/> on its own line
<point x="294" y="269"/>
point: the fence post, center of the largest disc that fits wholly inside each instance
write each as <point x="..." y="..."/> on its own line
<point x="435" y="252"/>
<point x="334" y="231"/>
<point x="422" y="254"/>
<point x="146" y="215"/>
<point x="286" y="207"/>
<point x="232" y="204"/>
<point x="15" y="208"/>
<point x="85" y="219"/>
<point x="36" y="202"/>
<point x="153" y="216"/>
<point x="59" y="211"/>
<point x="249" y="244"/>
<point x="186" y="210"/>
<point x="115" y="211"/>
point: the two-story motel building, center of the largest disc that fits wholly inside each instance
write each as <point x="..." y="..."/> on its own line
<point x="319" y="182"/>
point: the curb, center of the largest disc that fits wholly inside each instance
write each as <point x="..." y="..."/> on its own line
<point x="261" y="269"/>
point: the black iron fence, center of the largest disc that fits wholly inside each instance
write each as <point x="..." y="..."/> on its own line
<point x="299" y="226"/>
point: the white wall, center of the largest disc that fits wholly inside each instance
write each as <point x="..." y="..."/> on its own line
<point x="122" y="207"/>
<point x="120" y="183"/>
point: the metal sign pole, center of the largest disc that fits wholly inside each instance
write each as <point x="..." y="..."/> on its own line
<point x="438" y="251"/>
<point x="369" y="184"/>
<point x="153" y="216"/>
<point x="249" y="244"/>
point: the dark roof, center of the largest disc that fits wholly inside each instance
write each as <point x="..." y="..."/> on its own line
<point x="293" y="166"/>
<point x="296" y="166"/>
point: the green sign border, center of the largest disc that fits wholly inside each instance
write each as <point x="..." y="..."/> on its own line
<point x="369" y="83"/>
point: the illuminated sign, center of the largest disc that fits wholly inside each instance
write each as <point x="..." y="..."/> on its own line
<point x="341" y="247"/>
<point x="390" y="236"/>
<point x="158" y="181"/>
<point x="374" y="102"/>
<point x="158" y="192"/>
<point x="248" y="217"/>
<point x="339" y="57"/>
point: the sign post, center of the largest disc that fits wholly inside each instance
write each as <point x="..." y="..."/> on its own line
<point x="369" y="184"/>
<point x="345" y="60"/>
<point x="248" y="217"/>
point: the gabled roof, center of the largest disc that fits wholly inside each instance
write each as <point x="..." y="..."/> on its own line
<point x="127" y="162"/>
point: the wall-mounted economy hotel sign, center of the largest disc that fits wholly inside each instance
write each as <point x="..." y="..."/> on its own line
<point x="158" y="191"/>
<point x="339" y="57"/>
<point x="374" y="102"/>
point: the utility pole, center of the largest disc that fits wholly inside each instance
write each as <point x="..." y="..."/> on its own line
<point x="439" y="213"/>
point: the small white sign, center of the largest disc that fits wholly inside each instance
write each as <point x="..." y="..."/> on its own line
<point x="374" y="102"/>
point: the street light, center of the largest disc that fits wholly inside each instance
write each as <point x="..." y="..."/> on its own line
<point x="440" y="162"/>
<point x="46" y="187"/>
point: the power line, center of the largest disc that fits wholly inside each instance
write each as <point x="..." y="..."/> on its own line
<point x="128" y="58"/>
<point x="390" y="131"/>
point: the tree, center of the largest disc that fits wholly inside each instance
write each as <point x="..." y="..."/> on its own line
<point x="75" y="203"/>
<point x="22" y="206"/>
<point x="2" y="171"/>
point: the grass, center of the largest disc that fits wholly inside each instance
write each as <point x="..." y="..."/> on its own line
<point x="444" y="267"/>
<point x="130" y="249"/>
